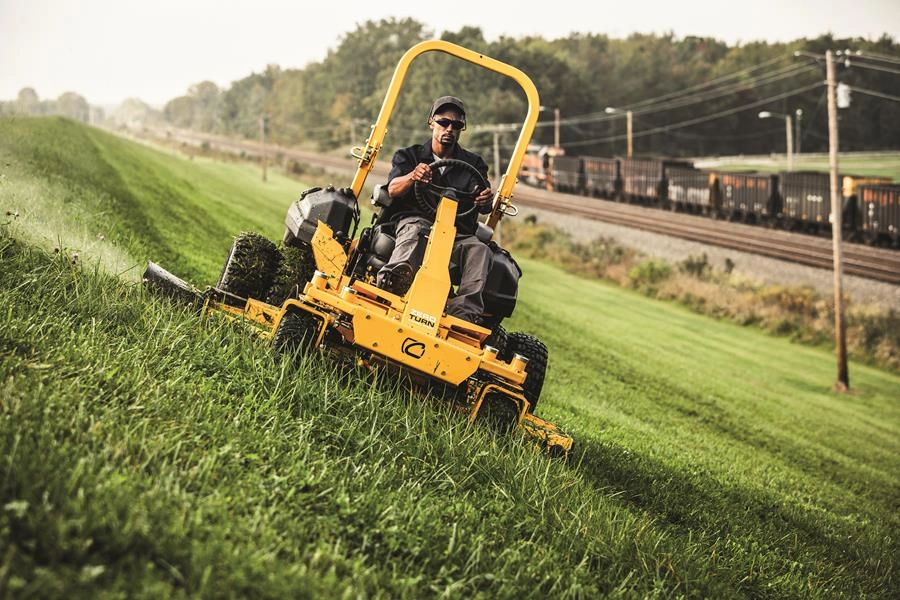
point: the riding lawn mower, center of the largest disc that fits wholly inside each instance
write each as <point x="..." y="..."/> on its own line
<point x="317" y="291"/>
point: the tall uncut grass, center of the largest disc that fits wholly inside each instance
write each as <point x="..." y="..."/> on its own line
<point x="146" y="452"/>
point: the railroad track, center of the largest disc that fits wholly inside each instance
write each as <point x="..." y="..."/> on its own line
<point x="859" y="260"/>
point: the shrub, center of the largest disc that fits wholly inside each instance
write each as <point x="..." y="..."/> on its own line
<point x="647" y="275"/>
<point x="696" y="266"/>
<point x="875" y="334"/>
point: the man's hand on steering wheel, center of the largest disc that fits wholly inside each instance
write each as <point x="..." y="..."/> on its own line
<point x="484" y="197"/>
<point x="422" y="173"/>
<point x="428" y="194"/>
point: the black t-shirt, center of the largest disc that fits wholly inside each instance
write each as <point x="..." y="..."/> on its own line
<point x="406" y="159"/>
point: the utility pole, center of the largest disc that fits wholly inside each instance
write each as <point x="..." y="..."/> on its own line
<point x="496" y="153"/>
<point x="497" y="175"/>
<point x="263" y="122"/>
<point x="628" y="130"/>
<point x="789" y="136"/>
<point x="843" y="379"/>
<point x="556" y="127"/>
<point x="496" y="129"/>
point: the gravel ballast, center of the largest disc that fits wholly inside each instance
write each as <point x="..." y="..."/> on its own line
<point x="860" y="291"/>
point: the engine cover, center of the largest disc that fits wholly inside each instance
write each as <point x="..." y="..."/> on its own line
<point x="334" y="207"/>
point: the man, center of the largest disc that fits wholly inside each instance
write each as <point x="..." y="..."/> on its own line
<point x="470" y="259"/>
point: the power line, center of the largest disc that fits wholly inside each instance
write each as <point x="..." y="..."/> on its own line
<point x="687" y="91"/>
<point x="697" y="120"/>
<point x="680" y="99"/>
<point x="874" y="56"/>
<point x="850" y="63"/>
<point x="703" y="119"/>
<point x="710" y="90"/>
<point x="874" y="93"/>
<point x="704" y="84"/>
<point x="653" y="105"/>
<point x="763" y="80"/>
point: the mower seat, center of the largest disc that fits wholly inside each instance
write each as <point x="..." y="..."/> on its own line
<point x="381" y="243"/>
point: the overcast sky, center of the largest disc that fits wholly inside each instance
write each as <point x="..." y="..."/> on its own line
<point x="109" y="50"/>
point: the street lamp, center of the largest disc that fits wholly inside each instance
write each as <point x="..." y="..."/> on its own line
<point x="555" y="125"/>
<point x="612" y="111"/>
<point x="797" y="136"/>
<point x="788" y="130"/>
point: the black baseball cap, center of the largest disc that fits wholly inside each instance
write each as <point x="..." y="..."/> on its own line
<point x="444" y="101"/>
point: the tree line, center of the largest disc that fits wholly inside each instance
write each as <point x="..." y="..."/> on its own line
<point x="69" y="104"/>
<point x="688" y="96"/>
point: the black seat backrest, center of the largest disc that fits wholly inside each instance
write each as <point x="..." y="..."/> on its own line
<point x="380" y="197"/>
<point x="385" y="210"/>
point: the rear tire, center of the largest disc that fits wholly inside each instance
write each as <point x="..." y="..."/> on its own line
<point x="536" y="352"/>
<point x="498" y="339"/>
<point x="251" y="266"/>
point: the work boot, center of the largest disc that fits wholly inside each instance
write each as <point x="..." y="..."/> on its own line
<point x="398" y="279"/>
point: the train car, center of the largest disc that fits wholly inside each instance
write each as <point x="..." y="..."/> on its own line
<point x="566" y="174"/>
<point x="806" y="199"/>
<point x="748" y="196"/>
<point x="799" y="200"/>
<point x="644" y="179"/>
<point x="880" y="205"/>
<point x="641" y="180"/>
<point x="602" y="177"/>
<point x="854" y="212"/>
<point x="692" y="190"/>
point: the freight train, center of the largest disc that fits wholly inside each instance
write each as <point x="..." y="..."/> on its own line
<point x="794" y="200"/>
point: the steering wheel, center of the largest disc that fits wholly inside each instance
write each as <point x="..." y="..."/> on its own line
<point x="429" y="195"/>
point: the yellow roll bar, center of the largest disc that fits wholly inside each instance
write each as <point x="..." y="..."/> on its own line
<point x="503" y="197"/>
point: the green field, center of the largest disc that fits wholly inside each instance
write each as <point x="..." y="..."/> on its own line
<point x="882" y="164"/>
<point x="145" y="452"/>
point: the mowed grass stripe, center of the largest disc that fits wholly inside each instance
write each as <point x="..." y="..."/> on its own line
<point x="701" y="404"/>
<point x="155" y="206"/>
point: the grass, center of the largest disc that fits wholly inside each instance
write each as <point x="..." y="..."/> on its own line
<point x="81" y="188"/>
<point x="147" y="453"/>
<point x="797" y="312"/>
<point x="861" y="164"/>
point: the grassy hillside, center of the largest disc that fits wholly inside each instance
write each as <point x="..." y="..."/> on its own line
<point x="146" y="453"/>
<point x="88" y="191"/>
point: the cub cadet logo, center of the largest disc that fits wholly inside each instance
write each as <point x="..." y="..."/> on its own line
<point x="413" y="348"/>
<point x="423" y="318"/>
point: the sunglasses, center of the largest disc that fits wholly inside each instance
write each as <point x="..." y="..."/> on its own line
<point x="457" y="125"/>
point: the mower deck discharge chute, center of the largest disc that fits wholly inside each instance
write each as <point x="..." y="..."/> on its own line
<point x="317" y="290"/>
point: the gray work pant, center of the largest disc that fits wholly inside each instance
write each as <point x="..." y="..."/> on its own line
<point x="470" y="262"/>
